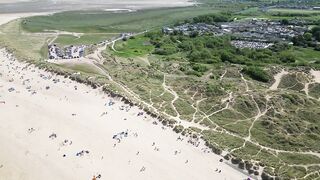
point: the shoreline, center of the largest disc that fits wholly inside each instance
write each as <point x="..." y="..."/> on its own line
<point x="15" y="121"/>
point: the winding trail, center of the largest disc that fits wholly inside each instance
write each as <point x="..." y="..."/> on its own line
<point x="245" y="81"/>
<point x="278" y="78"/>
<point x="175" y="95"/>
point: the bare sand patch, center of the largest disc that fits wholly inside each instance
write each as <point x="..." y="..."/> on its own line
<point x="316" y="75"/>
<point x="277" y="79"/>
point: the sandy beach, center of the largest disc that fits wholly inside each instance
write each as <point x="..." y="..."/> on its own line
<point x="54" y="128"/>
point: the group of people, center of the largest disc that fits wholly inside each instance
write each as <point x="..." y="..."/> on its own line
<point x="82" y="153"/>
<point x="96" y="177"/>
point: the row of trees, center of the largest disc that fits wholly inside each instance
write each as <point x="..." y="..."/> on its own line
<point x="212" y="18"/>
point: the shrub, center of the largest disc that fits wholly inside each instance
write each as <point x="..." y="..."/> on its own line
<point x="235" y="161"/>
<point x="241" y="165"/>
<point x="257" y="73"/>
<point x="199" y="68"/>
<point x="178" y="129"/>
<point x="214" y="149"/>
<point x="286" y="57"/>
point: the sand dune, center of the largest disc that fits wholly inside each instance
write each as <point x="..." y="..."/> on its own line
<point x="54" y="128"/>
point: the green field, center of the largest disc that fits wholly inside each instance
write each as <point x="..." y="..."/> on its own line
<point x="106" y="22"/>
<point x="136" y="47"/>
<point x="86" y="39"/>
<point x="295" y="11"/>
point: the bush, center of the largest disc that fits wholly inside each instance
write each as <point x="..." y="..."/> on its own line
<point x="257" y="73"/>
<point x="214" y="149"/>
<point x="286" y="57"/>
<point x="315" y="31"/>
<point x="284" y="21"/>
<point x="265" y="176"/>
<point x="213" y="89"/>
<point x="168" y="50"/>
<point x="199" y="68"/>
<point x="241" y="165"/>
<point x="227" y="157"/>
<point x="256" y="173"/>
<point x="178" y="129"/>
<point x="235" y="161"/>
<point x="200" y="56"/>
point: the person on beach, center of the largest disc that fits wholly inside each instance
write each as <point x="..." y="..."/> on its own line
<point x="142" y="169"/>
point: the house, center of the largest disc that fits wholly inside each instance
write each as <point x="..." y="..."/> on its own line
<point x="316" y="8"/>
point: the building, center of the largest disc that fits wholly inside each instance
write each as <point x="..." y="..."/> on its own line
<point x="316" y="8"/>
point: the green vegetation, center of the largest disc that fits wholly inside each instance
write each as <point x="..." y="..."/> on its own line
<point x="211" y="18"/>
<point x="86" y="39"/>
<point x="257" y="73"/>
<point x="201" y="78"/>
<point x="134" y="47"/>
<point x="107" y="22"/>
<point x="20" y="43"/>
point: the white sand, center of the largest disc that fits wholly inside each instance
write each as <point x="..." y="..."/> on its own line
<point x="27" y="120"/>
<point x="278" y="78"/>
<point x="316" y="75"/>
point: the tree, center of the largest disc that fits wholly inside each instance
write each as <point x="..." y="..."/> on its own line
<point x="284" y="21"/>
<point x="194" y="34"/>
<point x="226" y="57"/>
<point x="199" y="68"/>
<point x="316" y="32"/>
<point x="317" y="35"/>
<point x="307" y="36"/>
